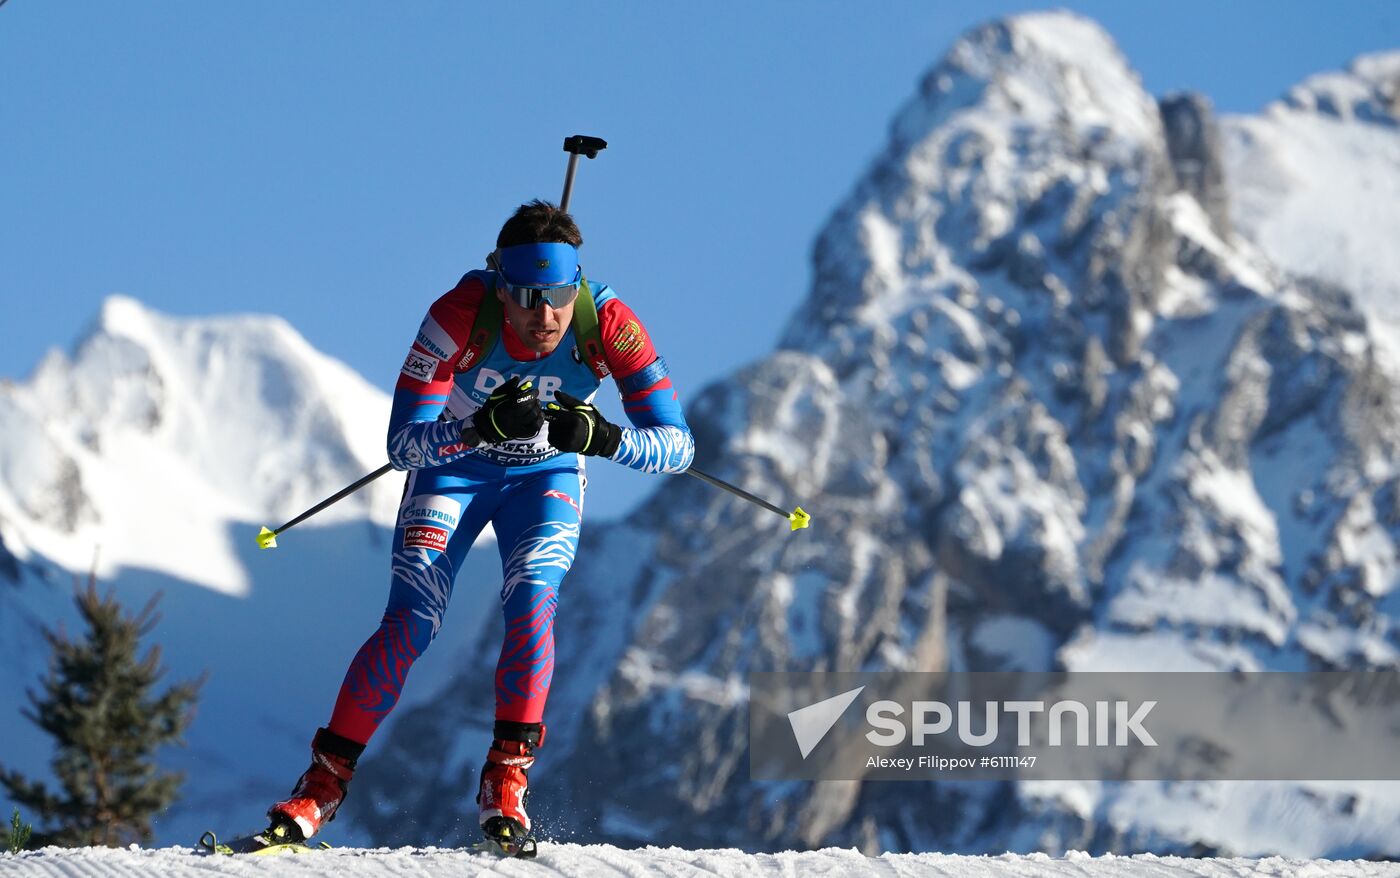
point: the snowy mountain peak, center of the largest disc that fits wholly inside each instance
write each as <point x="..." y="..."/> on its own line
<point x="1368" y="91"/>
<point x="1313" y="184"/>
<point x="123" y="315"/>
<point x="1048" y="67"/>
<point x="210" y="420"/>
<point x="1032" y="135"/>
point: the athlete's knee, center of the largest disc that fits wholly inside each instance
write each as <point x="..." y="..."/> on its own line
<point x="540" y="558"/>
<point x="405" y="634"/>
<point x="534" y="598"/>
<point x="423" y="586"/>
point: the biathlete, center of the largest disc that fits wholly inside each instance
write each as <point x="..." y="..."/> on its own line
<point x="490" y="417"/>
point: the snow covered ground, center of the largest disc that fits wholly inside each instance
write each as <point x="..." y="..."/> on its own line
<point x="597" y="860"/>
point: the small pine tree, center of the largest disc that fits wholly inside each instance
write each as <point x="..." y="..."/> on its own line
<point x="99" y="705"/>
<point x="17" y="836"/>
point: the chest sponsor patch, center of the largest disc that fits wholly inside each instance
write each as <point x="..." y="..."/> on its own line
<point x="431" y="509"/>
<point x="488" y="379"/>
<point x="419" y="367"/>
<point x="630" y="338"/>
<point x="421" y="536"/>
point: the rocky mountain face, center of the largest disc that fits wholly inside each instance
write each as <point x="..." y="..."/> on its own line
<point x="1049" y="408"/>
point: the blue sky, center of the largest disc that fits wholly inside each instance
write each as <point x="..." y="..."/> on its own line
<point x="341" y="164"/>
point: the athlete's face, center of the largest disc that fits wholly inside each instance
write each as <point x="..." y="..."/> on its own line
<point x="541" y="328"/>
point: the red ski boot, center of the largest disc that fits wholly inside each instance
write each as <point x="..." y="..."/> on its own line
<point x="505" y="788"/>
<point x="319" y="792"/>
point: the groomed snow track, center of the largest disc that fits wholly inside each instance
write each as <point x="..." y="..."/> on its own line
<point x="589" y="861"/>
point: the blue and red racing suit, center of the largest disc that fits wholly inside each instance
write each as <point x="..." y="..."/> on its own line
<point x="531" y="493"/>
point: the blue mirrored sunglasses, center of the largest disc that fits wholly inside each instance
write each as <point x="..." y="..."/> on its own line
<point x="555" y="295"/>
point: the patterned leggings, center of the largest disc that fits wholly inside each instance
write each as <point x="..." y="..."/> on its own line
<point x="536" y="517"/>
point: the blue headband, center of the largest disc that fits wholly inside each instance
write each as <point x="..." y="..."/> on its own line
<point x="539" y="265"/>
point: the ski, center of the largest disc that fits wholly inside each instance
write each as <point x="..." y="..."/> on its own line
<point x="506" y="837"/>
<point x="524" y="849"/>
<point x="261" y="844"/>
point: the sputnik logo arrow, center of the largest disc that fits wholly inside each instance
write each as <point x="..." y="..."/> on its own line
<point x="811" y="723"/>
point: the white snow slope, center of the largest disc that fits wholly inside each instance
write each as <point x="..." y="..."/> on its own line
<point x="588" y="861"/>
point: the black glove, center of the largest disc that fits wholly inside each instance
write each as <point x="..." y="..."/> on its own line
<point x="511" y="412"/>
<point x="574" y="425"/>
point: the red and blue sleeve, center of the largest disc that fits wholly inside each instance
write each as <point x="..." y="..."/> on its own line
<point x="418" y="437"/>
<point x="659" y="440"/>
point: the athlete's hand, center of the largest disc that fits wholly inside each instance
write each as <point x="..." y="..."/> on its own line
<point x="574" y="425"/>
<point x="511" y="412"/>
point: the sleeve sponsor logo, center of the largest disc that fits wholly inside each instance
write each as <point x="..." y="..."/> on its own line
<point x="419" y="367"/>
<point x="630" y="338"/>
<point x="435" y="340"/>
<point x="426" y="344"/>
<point x="431" y="508"/>
<point x="424" y="537"/>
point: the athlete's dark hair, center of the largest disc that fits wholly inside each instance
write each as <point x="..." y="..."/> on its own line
<point x="539" y="222"/>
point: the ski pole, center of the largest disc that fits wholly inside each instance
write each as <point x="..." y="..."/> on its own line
<point x="267" y="539"/>
<point x="797" y="517"/>
<point x="579" y="144"/>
